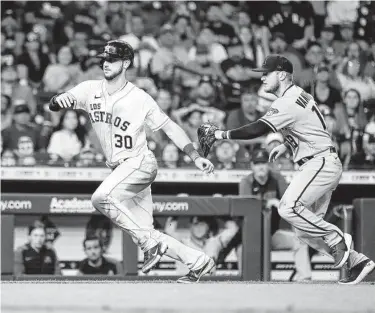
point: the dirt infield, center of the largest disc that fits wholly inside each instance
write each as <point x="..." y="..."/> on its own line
<point x="169" y="297"/>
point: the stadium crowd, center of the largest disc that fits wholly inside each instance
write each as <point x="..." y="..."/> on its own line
<point x="195" y="59"/>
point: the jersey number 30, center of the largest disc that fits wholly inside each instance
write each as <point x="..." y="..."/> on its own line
<point x="123" y="142"/>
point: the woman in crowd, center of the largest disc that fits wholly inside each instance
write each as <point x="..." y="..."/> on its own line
<point x="350" y="75"/>
<point x="357" y="118"/>
<point x="35" y="60"/>
<point x="69" y="137"/>
<point x="62" y="75"/>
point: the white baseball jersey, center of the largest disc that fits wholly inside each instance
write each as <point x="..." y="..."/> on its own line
<point x="119" y="120"/>
<point x="296" y="115"/>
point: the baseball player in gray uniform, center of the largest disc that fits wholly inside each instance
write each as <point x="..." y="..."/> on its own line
<point x="295" y="114"/>
<point x="119" y="111"/>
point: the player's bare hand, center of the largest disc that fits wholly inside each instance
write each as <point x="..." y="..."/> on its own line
<point x="277" y="152"/>
<point x="204" y="165"/>
<point x="65" y="100"/>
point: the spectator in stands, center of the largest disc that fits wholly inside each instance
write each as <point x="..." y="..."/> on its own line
<point x="354" y="51"/>
<point x="217" y="22"/>
<point x="144" y="45"/>
<point x="100" y="226"/>
<point x="294" y="19"/>
<point x="325" y="95"/>
<point x="166" y="57"/>
<point x="52" y="233"/>
<point x="326" y="38"/>
<point x="201" y="65"/>
<point x="225" y="154"/>
<point x="270" y="186"/>
<point x="7" y="158"/>
<point x="87" y="158"/>
<point x="79" y="44"/>
<point x="83" y="18"/>
<point x="247" y="113"/>
<point x="35" y="60"/>
<point x="313" y="57"/>
<point x="17" y="89"/>
<point x="71" y="133"/>
<point x="164" y="100"/>
<point x="95" y="263"/>
<point x="6" y="115"/>
<point x="215" y="51"/>
<point x="90" y="68"/>
<point x="346" y="36"/>
<point x="252" y="47"/>
<point x="351" y="76"/>
<point x="62" y="75"/>
<point x="206" y="95"/>
<point x="184" y="30"/>
<point x="22" y="137"/>
<point x="134" y="75"/>
<point x="204" y="235"/>
<point x="356" y="115"/>
<point x="369" y="70"/>
<point x="365" y="159"/>
<point x="189" y="118"/>
<point x="279" y="45"/>
<point x="7" y="50"/>
<point x="237" y="68"/>
<point x="171" y="156"/>
<point x="34" y="258"/>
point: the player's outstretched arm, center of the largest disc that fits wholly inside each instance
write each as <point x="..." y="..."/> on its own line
<point x="182" y="141"/>
<point x="61" y="101"/>
<point x="249" y="131"/>
<point x="74" y="98"/>
<point x="208" y="133"/>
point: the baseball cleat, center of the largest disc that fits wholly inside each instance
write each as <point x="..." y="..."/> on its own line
<point x="153" y="256"/>
<point x="358" y="273"/>
<point x="340" y="252"/>
<point x="194" y="276"/>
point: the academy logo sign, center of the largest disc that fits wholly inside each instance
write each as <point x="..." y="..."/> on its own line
<point x="16" y="205"/>
<point x="73" y="205"/>
<point x="170" y="206"/>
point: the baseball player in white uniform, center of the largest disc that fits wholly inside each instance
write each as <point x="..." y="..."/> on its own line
<point x="119" y="112"/>
<point x="295" y="114"/>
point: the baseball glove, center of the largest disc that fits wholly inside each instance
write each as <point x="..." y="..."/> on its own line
<point x="206" y="137"/>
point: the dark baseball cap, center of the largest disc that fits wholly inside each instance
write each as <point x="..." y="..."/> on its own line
<point x="275" y="62"/>
<point x="21" y="108"/>
<point x="259" y="156"/>
<point x="322" y="68"/>
<point x="328" y="28"/>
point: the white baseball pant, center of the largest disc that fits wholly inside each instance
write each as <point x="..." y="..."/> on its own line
<point x="125" y="197"/>
<point x="306" y="200"/>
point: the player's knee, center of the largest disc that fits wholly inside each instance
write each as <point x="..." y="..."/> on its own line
<point x="98" y="199"/>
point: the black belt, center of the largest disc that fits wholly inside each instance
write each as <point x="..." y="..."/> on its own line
<point x="305" y="159"/>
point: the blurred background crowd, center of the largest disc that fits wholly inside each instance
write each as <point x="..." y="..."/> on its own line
<point x="195" y="59"/>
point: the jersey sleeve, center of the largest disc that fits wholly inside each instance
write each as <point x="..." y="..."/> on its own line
<point x="80" y="93"/>
<point x="155" y="117"/>
<point x="279" y="116"/>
